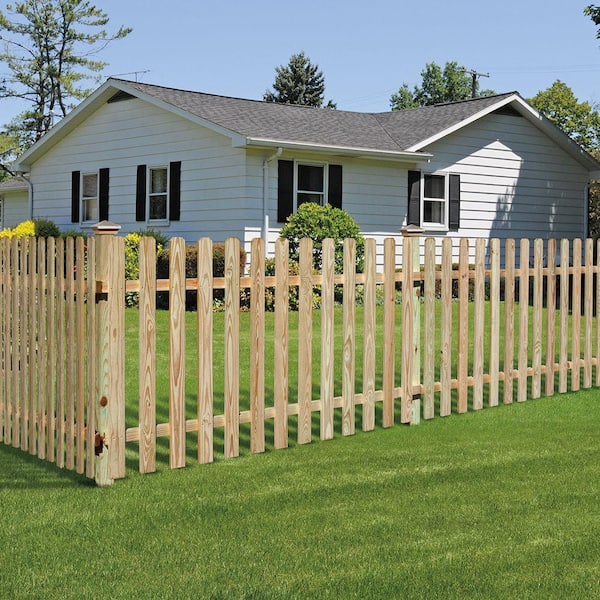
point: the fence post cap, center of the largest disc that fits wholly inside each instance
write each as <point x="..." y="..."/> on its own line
<point x="106" y="228"/>
<point x="412" y="231"/>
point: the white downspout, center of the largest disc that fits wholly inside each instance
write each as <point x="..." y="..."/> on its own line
<point x="265" y="231"/>
<point x="30" y="202"/>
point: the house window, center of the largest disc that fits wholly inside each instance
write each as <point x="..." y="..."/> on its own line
<point x="158" y="193"/>
<point x="435" y="201"/>
<point x="310" y="184"/>
<point x="89" y="197"/>
<point x="299" y="182"/>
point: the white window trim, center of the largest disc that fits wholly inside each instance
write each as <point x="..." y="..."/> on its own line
<point x="149" y="193"/>
<point x="310" y="163"/>
<point x="83" y="201"/>
<point x="429" y="226"/>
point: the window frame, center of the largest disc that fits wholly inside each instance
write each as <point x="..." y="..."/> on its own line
<point x="150" y="194"/>
<point x="85" y="200"/>
<point x="433" y="225"/>
<point x="324" y="193"/>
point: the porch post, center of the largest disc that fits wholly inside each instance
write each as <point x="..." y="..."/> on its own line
<point x="110" y="354"/>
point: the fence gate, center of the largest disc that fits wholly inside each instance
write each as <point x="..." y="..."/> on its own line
<point x="49" y="388"/>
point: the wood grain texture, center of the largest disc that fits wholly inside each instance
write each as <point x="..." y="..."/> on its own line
<point x="523" y="320"/>
<point x="389" y="329"/>
<point x="564" y="316"/>
<point x="588" y="313"/>
<point x="446" y="330"/>
<point x="509" y="320"/>
<point x="538" y="298"/>
<point x="408" y="331"/>
<point x="429" y="331"/>
<point x="257" y="346"/>
<point x="494" y="337"/>
<point x="369" y="329"/>
<point x="232" y="357"/>
<point x="327" y="340"/>
<point x="463" y="326"/>
<point x="576" y="318"/>
<point x="550" y="316"/>
<point x="349" y="337"/>
<point x="305" y="327"/>
<point x="205" y="351"/>
<point x="281" y="366"/>
<point x="147" y="355"/>
<point x="479" y="324"/>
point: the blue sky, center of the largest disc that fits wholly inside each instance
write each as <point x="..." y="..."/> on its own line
<point x="366" y="50"/>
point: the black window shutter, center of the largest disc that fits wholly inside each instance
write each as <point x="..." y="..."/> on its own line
<point x="414" y="198"/>
<point x="285" y="189"/>
<point x="103" y="195"/>
<point x="75" y="182"/>
<point x="335" y="186"/>
<point x="140" y="194"/>
<point x="175" y="191"/>
<point x="454" y="203"/>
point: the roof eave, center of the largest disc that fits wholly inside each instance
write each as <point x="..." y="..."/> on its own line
<point x="350" y="151"/>
<point x="106" y="91"/>
<point x="534" y="117"/>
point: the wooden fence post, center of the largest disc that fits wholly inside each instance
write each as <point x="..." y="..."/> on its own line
<point x="412" y="243"/>
<point x="110" y="353"/>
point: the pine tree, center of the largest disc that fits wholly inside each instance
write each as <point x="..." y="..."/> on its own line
<point x="299" y="82"/>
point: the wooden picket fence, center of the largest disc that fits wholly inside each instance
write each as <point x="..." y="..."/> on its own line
<point x="448" y="337"/>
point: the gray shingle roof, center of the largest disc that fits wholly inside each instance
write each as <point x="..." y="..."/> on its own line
<point x="389" y="131"/>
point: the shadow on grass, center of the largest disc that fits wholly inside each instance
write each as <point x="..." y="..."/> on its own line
<point x="20" y="470"/>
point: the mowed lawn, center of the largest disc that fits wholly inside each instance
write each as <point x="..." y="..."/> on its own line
<point x="501" y="503"/>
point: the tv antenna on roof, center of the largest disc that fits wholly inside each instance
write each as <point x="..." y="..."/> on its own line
<point x="474" y="77"/>
<point x="136" y="73"/>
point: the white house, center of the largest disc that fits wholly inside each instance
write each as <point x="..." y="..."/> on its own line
<point x="193" y="164"/>
<point x="14" y="199"/>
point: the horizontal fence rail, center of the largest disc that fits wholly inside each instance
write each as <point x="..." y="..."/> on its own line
<point x="279" y="352"/>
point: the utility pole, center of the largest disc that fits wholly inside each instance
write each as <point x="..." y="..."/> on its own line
<point x="474" y="77"/>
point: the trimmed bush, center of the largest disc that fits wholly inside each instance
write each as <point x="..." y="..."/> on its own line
<point x="46" y="228"/>
<point x="318" y="223"/>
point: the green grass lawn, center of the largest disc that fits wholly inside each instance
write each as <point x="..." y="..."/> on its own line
<point x="501" y="503"/>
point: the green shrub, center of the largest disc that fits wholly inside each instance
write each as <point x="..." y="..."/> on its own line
<point x="317" y="223"/>
<point x="191" y="271"/>
<point x="132" y="262"/>
<point x="74" y="233"/>
<point x="46" y="228"/>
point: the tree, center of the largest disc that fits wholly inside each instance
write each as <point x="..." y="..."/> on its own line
<point x="593" y="12"/>
<point x="299" y="82"/>
<point x="451" y="84"/>
<point x="579" y="120"/>
<point x="49" y="49"/>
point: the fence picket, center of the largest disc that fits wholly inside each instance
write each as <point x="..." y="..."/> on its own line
<point x="463" y="325"/>
<point x="509" y="320"/>
<point x="429" y="331"/>
<point x="576" y="318"/>
<point x="550" y="316"/>
<point x="523" y="320"/>
<point x="232" y="358"/>
<point x="494" y="344"/>
<point x="536" y="362"/>
<point x="177" y="353"/>
<point x="348" y="365"/>
<point x="408" y="343"/>
<point x="92" y="360"/>
<point x="205" y="351"/>
<point x="69" y="354"/>
<point x="369" y="324"/>
<point x="281" y="342"/>
<point x="564" y="315"/>
<point x="80" y="353"/>
<point x="4" y="334"/>
<point x="327" y="340"/>
<point x="51" y="322"/>
<point x="389" y="329"/>
<point x="147" y="356"/>
<point x="257" y="346"/>
<point x="588" y="295"/>
<point x="33" y="348"/>
<point x="446" y="330"/>
<point x="24" y="339"/>
<point x="479" y="324"/>
<point x="305" y="326"/>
